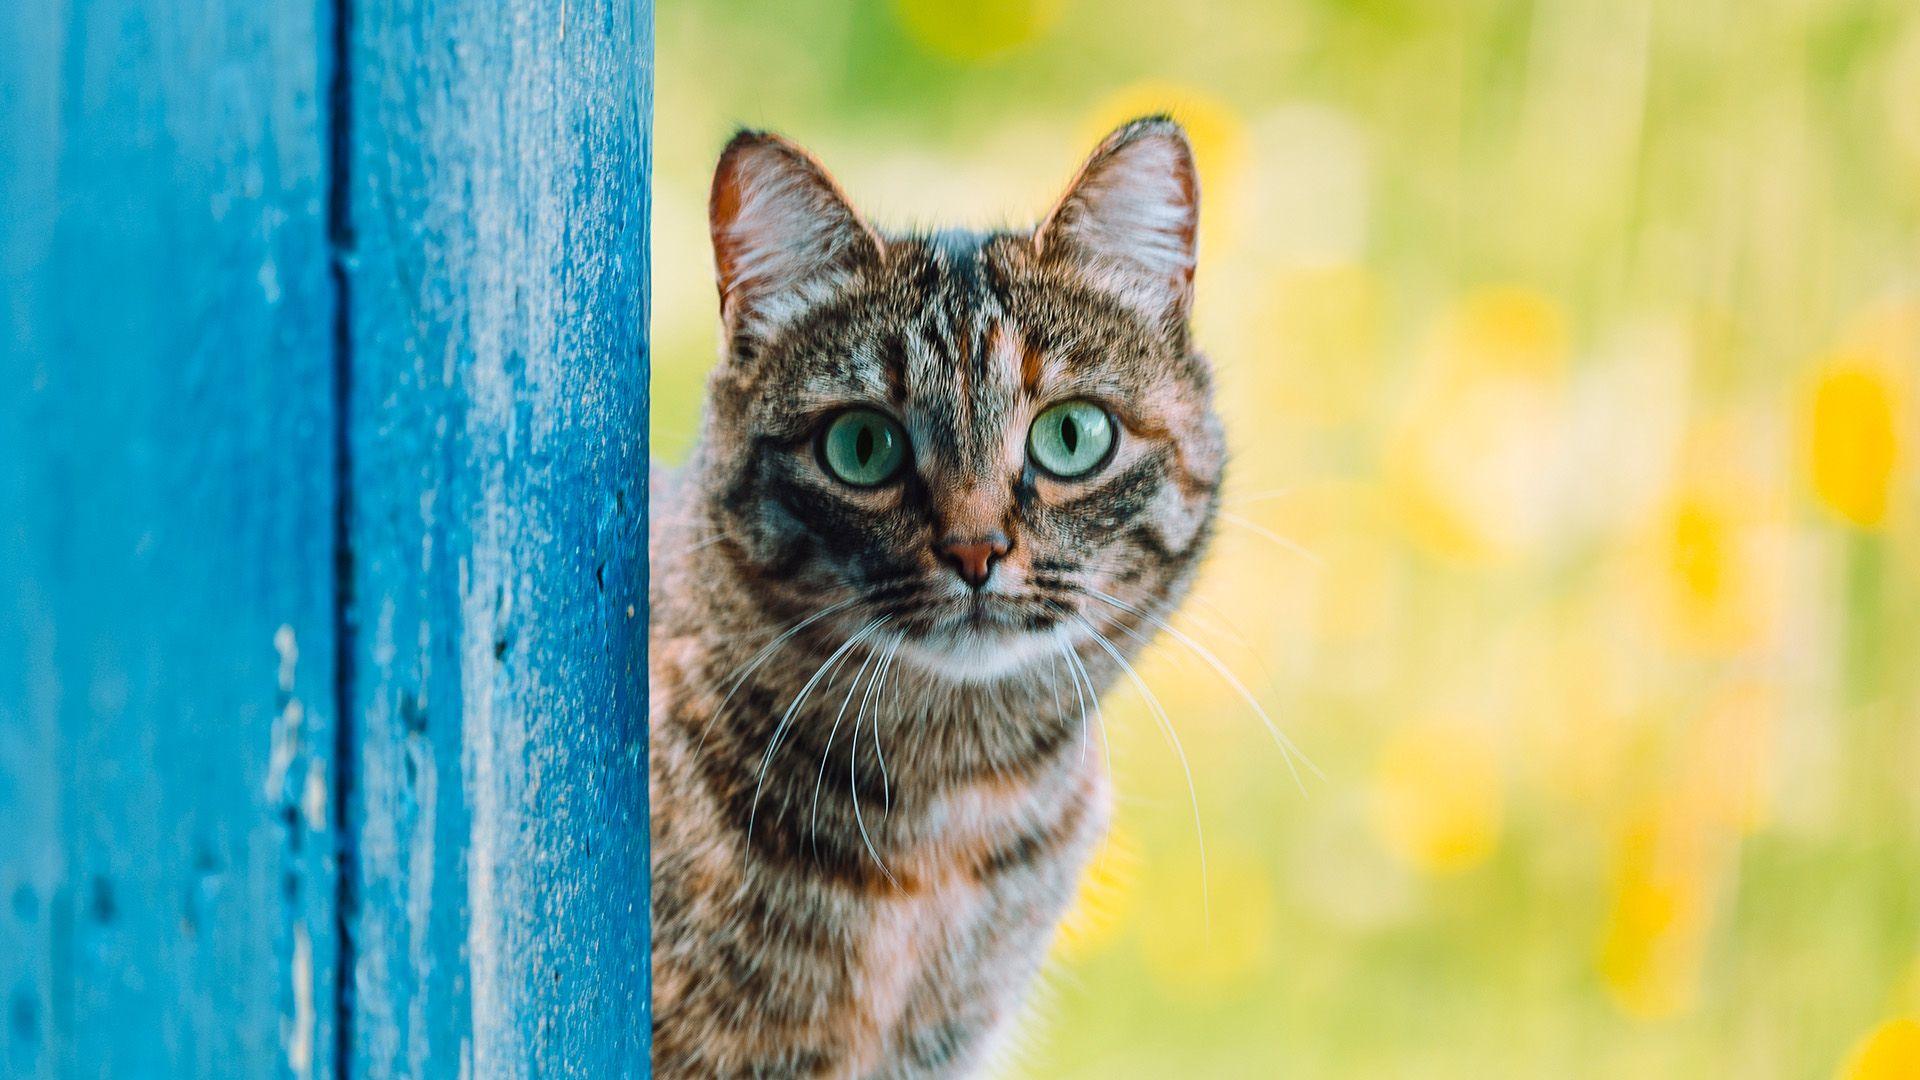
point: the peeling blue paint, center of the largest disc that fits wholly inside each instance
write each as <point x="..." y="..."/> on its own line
<point x="322" y="699"/>
<point x="498" y="332"/>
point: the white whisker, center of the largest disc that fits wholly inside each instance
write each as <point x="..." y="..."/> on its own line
<point x="766" y="651"/>
<point x="1288" y="750"/>
<point x="853" y="784"/>
<point x="1263" y="496"/>
<point x="1059" y="710"/>
<point x="882" y="677"/>
<point x="773" y="744"/>
<point x="813" y="834"/>
<point x="1076" y="665"/>
<point x="1261" y="530"/>
<point x="819" y="778"/>
<point x="1173" y="739"/>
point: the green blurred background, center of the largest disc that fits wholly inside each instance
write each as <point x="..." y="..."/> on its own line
<point x="1569" y="351"/>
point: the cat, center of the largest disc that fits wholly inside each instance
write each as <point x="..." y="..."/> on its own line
<point x="944" y="484"/>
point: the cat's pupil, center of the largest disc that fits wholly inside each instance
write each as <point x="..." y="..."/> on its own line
<point x="1070" y="434"/>
<point x="863" y="445"/>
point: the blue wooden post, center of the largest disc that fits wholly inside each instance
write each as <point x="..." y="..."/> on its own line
<point x="498" y="336"/>
<point x="166" y="581"/>
<point x="322" y="572"/>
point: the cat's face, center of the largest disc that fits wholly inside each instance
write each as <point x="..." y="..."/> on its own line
<point x="982" y="446"/>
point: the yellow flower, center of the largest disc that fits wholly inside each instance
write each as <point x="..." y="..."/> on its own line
<point x="1713" y="564"/>
<point x="975" y="30"/>
<point x="1655" y="938"/>
<point x="1889" y="1052"/>
<point x="1853" y="438"/>
<point x="1099" y="910"/>
<point x="1506" y="330"/>
<point x="1437" y="797"/>
<point x="1475" y="456"/>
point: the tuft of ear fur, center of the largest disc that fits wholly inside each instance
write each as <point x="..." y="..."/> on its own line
<point x="1131" y="217"/>
<point x="783" y="233"/>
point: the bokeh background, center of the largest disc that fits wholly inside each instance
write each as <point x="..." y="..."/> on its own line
<point x="1569" y="352"/>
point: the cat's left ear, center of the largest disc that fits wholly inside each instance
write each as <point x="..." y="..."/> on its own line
<point x="783" y="234"/>
<point x="1131" y="218"/>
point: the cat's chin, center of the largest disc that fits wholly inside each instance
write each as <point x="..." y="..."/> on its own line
<point x="974" y="654"/>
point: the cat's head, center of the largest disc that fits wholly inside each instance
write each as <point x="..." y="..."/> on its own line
<point x="985" y="445"/>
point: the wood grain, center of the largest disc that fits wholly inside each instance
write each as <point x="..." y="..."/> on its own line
<point x="323" y="386"/>
<point x="498" y="300"/>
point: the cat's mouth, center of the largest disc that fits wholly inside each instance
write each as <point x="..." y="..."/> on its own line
<point x="983" y="637"/>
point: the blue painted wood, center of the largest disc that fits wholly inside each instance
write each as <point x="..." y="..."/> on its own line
<point x="498" y="416"/>
<point x="166" y="594"/>
<point x="322" y="526"/>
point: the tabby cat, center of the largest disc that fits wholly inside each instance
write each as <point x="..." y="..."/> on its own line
<point x="945" y="483"/>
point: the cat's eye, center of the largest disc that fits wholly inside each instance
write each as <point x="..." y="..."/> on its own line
<point x="863" y="447"/>
<point x="1071" y="439"/>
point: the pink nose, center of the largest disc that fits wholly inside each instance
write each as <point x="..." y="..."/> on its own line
<point x="973" y="557"/>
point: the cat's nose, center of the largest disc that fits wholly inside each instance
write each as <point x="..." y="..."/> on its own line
<point x="973" y="556"/>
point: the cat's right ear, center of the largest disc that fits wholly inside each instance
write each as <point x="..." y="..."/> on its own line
<point x="784" y="236"/>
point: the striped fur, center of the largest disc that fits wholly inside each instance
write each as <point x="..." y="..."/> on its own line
<point x="865" y="833"/>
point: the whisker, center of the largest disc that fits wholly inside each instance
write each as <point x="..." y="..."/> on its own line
<point x="688" y="549"/>
<point x="1075" y="664"/>
<point x="853" y="783"/>
<point x="1222" y="626"/>
<point x="773" y="744"/>
<point x="1219" y="624"/>
<point x="1288" y="750"/>
<point x="886" y="669"/>
<point x="1173" y="739"/>
<point x="1263" y="496"/>
<point x="813" y="830"/>
<point x="766" y="651"/>
<point x="819" y="779"/>
<point x="1258" y="529"/>
<point x="1059" y="710"/>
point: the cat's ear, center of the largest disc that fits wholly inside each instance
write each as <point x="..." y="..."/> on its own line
<point x="783" y="234"/>
<point x="1130" y="218"/>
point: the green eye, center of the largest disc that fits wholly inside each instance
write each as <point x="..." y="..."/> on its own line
<point x="1071" y="439"/>
<point x="863" y="447"/>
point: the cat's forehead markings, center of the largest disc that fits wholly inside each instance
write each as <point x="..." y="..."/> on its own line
<point x="860" y="374"/>
<point x="1007" y="355"/>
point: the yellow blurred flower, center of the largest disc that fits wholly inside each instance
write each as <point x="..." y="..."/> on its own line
<point x="1100" y="908"/>
<point x="1476" y="455"/>
<point x="1853" y="438"/>
<point x="1437" y="796"/>
<point x="975" y="30"/>
<point x="1506" y="330"/>
<point x="1655" y="937"/>
<point x="1713" y="562"/>
<point x="1889" y="1052"/>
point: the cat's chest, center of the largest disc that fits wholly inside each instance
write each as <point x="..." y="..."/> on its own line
<point x="976" y="896"/>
